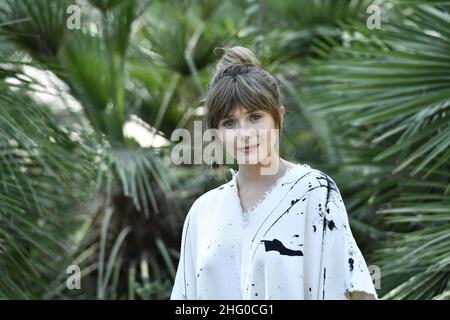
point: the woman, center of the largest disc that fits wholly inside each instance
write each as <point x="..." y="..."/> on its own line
<point x="276" y="230"/>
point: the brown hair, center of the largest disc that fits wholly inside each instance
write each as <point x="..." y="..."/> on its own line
<point x="239" y="79"/>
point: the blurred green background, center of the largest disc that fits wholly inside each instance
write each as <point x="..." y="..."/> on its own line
<point x="87" y="111"/>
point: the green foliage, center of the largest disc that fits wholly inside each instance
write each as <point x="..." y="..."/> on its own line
<point x="44" y="176"/>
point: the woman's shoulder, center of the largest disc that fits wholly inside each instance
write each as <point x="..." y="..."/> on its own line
<point x="311" y="174"/>
<point x="312" y="182"/>
<point x="305" y="175"/>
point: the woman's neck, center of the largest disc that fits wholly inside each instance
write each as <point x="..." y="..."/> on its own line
<point x="259" y="173"/>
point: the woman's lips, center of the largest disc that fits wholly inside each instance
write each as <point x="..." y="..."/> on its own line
<point x="248" y="149"/>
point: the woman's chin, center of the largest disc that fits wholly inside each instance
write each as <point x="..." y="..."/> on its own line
<point x="250" y="158"/>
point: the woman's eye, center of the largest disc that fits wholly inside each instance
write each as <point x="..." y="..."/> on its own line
<point x="228" y="123"/>
<point x="255" y="116"/>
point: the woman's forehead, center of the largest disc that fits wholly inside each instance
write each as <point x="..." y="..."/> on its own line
<point x="239" y="109"/>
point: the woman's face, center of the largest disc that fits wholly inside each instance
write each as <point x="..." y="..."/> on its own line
<point x="249" y="137"/>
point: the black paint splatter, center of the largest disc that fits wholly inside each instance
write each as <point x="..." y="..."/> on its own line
<point x="324" y="278"/>
<point x="331" y="225"/>
<point x="330" y="186"/>
<point x="296" y="235"/>
<point x="277" y="245"/>
<point x="351" y="262"/>
<point x="314" y="227"/>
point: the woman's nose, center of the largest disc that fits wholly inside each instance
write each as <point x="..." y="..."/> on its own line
<point x="246" y="135"/>
<point x="246" y="130"/>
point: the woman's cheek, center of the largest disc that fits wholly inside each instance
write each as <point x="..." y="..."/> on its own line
<point x="230" y="142"/>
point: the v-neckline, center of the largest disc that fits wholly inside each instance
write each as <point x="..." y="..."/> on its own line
<point x="246" y="214"/>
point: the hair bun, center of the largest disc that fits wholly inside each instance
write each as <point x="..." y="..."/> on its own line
<point x="237" y="56"/>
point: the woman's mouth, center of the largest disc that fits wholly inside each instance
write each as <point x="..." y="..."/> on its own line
<point x="248" y="149"/>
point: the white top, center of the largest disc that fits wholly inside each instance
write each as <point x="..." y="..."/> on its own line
<point x="296" y="244"/>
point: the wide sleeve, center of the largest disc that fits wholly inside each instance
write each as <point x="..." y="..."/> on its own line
<point x="343" y="270"/>
<point x="184" y="287"/>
